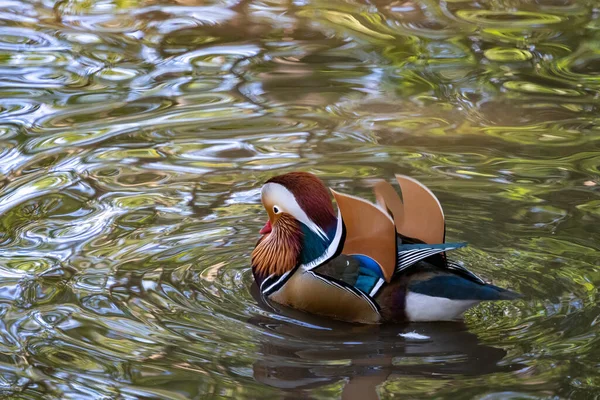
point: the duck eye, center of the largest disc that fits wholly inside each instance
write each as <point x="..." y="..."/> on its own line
<point x="276" y="209"/>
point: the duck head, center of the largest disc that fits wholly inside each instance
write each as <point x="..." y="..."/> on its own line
<point x="300" y="226"/>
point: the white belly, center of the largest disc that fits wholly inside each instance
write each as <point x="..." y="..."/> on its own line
<point x="420" y="307"/>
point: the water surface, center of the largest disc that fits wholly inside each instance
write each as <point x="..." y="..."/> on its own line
<point x="134" y="136"/>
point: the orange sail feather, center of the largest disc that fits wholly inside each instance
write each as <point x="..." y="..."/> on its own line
<point x="369" y="231"/>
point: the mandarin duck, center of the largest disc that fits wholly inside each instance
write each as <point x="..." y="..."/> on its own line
<point x="369" y="263"/>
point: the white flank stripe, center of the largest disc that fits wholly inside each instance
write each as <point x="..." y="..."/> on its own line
<point x="282" y="278"/>
<point x="355" y="292"/>
<point x="376" y="288"/>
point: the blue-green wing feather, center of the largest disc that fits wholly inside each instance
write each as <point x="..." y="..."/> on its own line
<point x="455" y="287"/>
<point x="363" y="273"/>
<point x="358" y="271"/>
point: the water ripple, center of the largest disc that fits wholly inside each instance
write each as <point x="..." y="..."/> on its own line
<point x="19" y="39"/>
<point x="516" y="19"/>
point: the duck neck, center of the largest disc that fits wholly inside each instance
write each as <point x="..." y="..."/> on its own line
<point x="313" y="244"/>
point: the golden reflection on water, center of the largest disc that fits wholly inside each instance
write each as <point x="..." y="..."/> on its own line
<point x="134" y="136"/>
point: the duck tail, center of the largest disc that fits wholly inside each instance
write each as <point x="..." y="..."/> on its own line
<point x="505" y="294"/>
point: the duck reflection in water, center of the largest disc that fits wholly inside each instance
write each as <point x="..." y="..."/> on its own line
<point x="305" y="351"/>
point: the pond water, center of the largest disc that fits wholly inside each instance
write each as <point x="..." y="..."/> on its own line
<point x="135" y="136"/>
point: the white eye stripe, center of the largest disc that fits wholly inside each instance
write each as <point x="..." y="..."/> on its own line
<point x="278" y="194"/>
